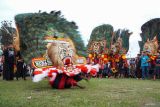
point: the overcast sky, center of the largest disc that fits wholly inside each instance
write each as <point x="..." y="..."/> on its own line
<point x="128" y="14"/>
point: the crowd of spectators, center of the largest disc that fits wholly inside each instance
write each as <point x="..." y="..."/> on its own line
<point x="141" y="67"/>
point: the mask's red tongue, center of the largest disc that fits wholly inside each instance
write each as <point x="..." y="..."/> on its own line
<point x="67" y="61"/>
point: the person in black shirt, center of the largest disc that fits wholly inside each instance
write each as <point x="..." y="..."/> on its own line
<point x="1" y="69"/>
<point x="21" y="67"/>
<point x="138" y="71"/>
<point x="5" y="60"/>
<point x="11" y="62"/>
<point x="8" y="63"/>
<point x="157" y="67"/>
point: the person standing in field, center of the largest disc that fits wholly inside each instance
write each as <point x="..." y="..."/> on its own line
<point x="157" y="67"/>
<point x="8" y="63"/>
<point x="21" y="67"/>
<point x="138" y="71"/>
<point x="144" y="65"/>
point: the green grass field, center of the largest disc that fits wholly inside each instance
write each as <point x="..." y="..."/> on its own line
<point x="98" y="93"/>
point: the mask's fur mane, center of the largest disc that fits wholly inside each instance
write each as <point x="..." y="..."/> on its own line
<point x="117" y="46"/>
<point x="16" y="43"/>
<point x="97" y="46"/>
<point x="151" y="46"/>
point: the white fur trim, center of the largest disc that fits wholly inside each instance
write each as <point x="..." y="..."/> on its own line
<point x="97" y="66"/>
<point x="39" y="77"/>
<point x="89" y="68"/>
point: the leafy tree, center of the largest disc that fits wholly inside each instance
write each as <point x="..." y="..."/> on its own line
<point x="6" y="32"/>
